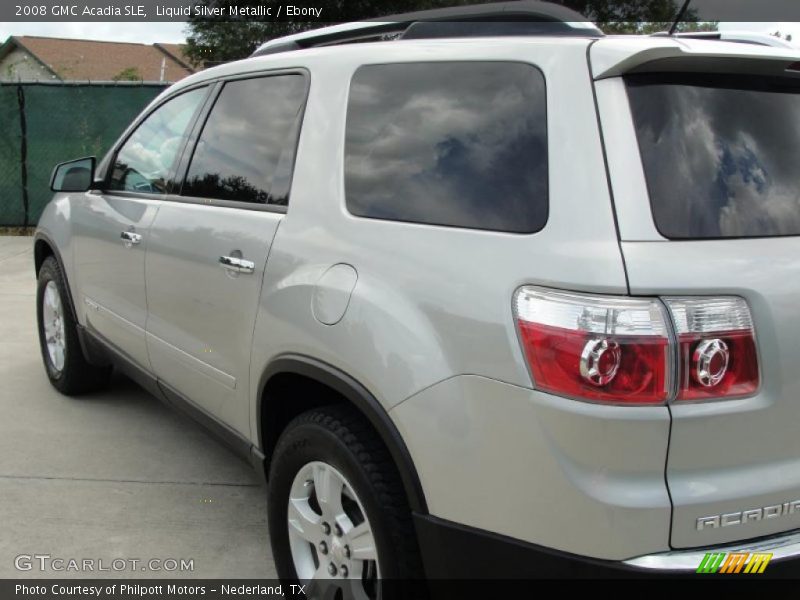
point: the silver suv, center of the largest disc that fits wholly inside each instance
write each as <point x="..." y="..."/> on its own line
<point x="513" y="304"/>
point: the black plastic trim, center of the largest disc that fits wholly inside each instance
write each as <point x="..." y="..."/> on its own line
<point x="225" y="434"/>
<point x="364" y="401"/>
<point x="508" y="13"/>
<point x="74" y="160"/>
<point x="452" y="551"/>
<point x="96" y="346"/>
<point x="192" y="135"/>
<point x="235" y="441"/>
<point x="40" y="235"/>
<point x="91" y="356"/>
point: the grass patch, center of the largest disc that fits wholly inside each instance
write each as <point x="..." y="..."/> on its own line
<point x="17" y="230"/>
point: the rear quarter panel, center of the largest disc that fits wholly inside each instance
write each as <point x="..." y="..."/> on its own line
<point x="432" y="302"/>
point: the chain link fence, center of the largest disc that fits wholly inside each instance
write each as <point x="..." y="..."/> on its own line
<point x="43" y="124"/>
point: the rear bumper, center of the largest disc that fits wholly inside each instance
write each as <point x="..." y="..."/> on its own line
<point x="584" y="478"/>
<point x="452" y="551"/>
<point x="783" y="548"/>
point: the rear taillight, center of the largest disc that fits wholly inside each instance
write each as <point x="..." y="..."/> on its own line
<point x="717" y="347"/>
<point x="595" y="348"/>
<point x="619" y="351"/>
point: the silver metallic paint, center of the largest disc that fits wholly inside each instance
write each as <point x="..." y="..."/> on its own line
<point x="429" y="329"/>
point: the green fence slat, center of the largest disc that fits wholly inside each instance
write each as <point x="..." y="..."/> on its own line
<point x="63" y="122"/>
<point x="10" y="188"/>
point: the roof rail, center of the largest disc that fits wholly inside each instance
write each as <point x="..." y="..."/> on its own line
<point x="525" y="17"/>
<point x="742" y="37"/>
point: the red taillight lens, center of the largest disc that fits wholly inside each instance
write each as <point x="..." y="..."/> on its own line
<point x="595" y="348"/>
<point x="618" y="350"/>
<point x="717" y="349"/>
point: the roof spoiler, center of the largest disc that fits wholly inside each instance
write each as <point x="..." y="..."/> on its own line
<point x="638" y="54"/>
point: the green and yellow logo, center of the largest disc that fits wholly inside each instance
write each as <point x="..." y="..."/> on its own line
<point x="734" y="562"/>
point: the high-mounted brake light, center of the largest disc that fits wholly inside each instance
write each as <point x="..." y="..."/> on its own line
<point x="717" y="348"/>
<point x="596" y="348"/>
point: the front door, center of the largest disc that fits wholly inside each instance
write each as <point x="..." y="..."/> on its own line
<point x="112" y="226"/>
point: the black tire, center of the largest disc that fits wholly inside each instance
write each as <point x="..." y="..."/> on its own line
<point x="343" y="438"/>
<point x="77" y="376"/>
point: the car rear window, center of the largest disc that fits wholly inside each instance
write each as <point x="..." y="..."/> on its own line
<point x="719" y="153"/>
<point x="460" y="144"/>
<point x="246" y="150"/>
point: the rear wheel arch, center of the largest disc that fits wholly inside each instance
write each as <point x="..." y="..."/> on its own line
<point x="320" y="385"/>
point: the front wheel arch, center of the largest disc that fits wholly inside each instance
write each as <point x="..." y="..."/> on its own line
<point x="44" y="247"/>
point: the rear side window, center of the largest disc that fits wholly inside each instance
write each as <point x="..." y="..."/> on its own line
<point x="719" y="153"/>
<point x="462" y="144"/>
<point x="246" y="150"/>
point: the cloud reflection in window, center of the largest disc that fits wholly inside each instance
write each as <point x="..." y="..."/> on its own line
<point x="459" y="144"/>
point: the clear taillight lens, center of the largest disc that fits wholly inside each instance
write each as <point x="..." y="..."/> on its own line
<point x="597" y="348"/>
<point x="717" y="348"/>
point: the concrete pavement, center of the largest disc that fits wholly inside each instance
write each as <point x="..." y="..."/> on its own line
<point x="113" y="475"/>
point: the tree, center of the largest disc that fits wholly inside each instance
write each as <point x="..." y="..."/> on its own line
<point x="648" y="27"/>
<point x="638" y="16"/>
<point x="213" y="40"/>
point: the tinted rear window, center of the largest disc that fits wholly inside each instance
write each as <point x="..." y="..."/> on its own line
<point x="719" y="154"/>
<point x="458" y="144"/>
<point x="246" y="149"/>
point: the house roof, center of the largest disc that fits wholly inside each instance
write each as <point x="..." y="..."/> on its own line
<point x="176" y="52"/>
<point x="103" y="61"/>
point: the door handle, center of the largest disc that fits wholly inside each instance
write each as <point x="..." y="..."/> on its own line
<point x="129" y="238"/>
<point x="237" y="265"/>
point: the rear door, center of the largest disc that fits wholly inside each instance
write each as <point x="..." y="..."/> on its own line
<point x="704" y="171"/>
<point x="209" y="245"/>
<point x="112" y="225"/>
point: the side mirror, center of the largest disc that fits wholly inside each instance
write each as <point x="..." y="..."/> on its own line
<point x="73" y="176"/>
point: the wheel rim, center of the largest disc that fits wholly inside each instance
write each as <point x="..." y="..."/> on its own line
<point x="53" y="319"/>
<point x="331" y="540"/>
